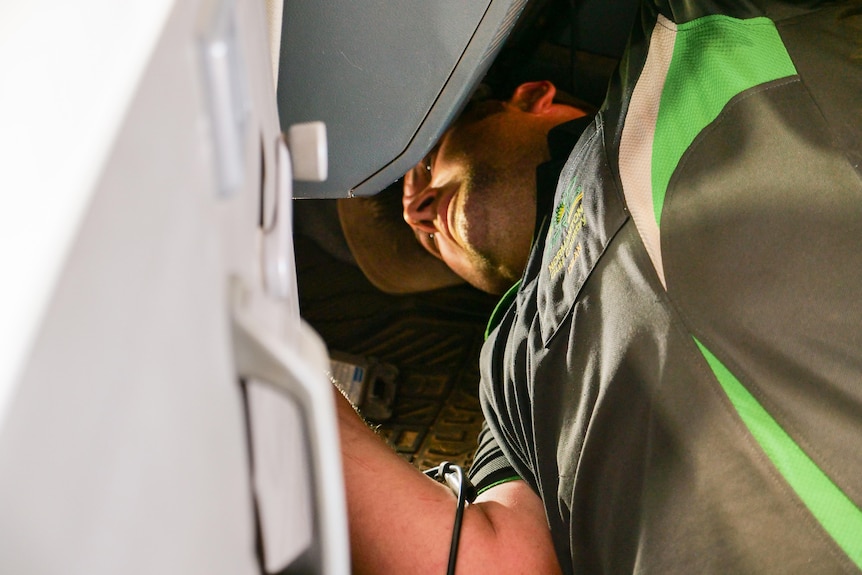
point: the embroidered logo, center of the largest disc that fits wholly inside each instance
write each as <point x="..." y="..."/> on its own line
<point x="566" y="227"/>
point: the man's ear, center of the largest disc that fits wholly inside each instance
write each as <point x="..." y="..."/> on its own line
<point x="534" y="97"/>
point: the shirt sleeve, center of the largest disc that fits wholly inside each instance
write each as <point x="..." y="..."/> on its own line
<point x="490" y="466"/>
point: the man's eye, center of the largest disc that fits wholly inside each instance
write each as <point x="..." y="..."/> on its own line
<point x="427" y="163"/>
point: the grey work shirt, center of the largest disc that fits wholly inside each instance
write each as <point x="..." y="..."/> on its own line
<point x="679" y="375"/>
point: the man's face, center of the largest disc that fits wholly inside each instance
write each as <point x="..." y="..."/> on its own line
<point x="472" y="201"/>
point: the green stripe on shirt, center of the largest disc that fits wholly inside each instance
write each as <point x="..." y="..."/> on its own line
<point x="714" y="59"/>
<point x="835" y="512"/>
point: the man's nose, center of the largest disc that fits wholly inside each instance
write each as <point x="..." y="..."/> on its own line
<point x="420" y="209"/>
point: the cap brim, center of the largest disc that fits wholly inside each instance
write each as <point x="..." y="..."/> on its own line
<point x="387" y="251"/>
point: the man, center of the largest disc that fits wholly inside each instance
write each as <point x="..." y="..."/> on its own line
<point x="385" y="494"/>
<point x="673" y="379"/>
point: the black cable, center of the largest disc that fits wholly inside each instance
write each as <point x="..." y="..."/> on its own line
<point x="465" y="492"/>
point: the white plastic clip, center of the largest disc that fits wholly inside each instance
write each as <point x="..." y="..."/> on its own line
<point x="309" y="151"/>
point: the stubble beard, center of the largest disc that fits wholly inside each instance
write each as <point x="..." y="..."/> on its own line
<point x="497" y="221"/>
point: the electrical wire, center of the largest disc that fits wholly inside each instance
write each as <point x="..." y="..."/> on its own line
<point x="466" y="493"/>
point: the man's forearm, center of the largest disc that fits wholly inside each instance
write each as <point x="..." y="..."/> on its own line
<point x="401" y="521"/>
